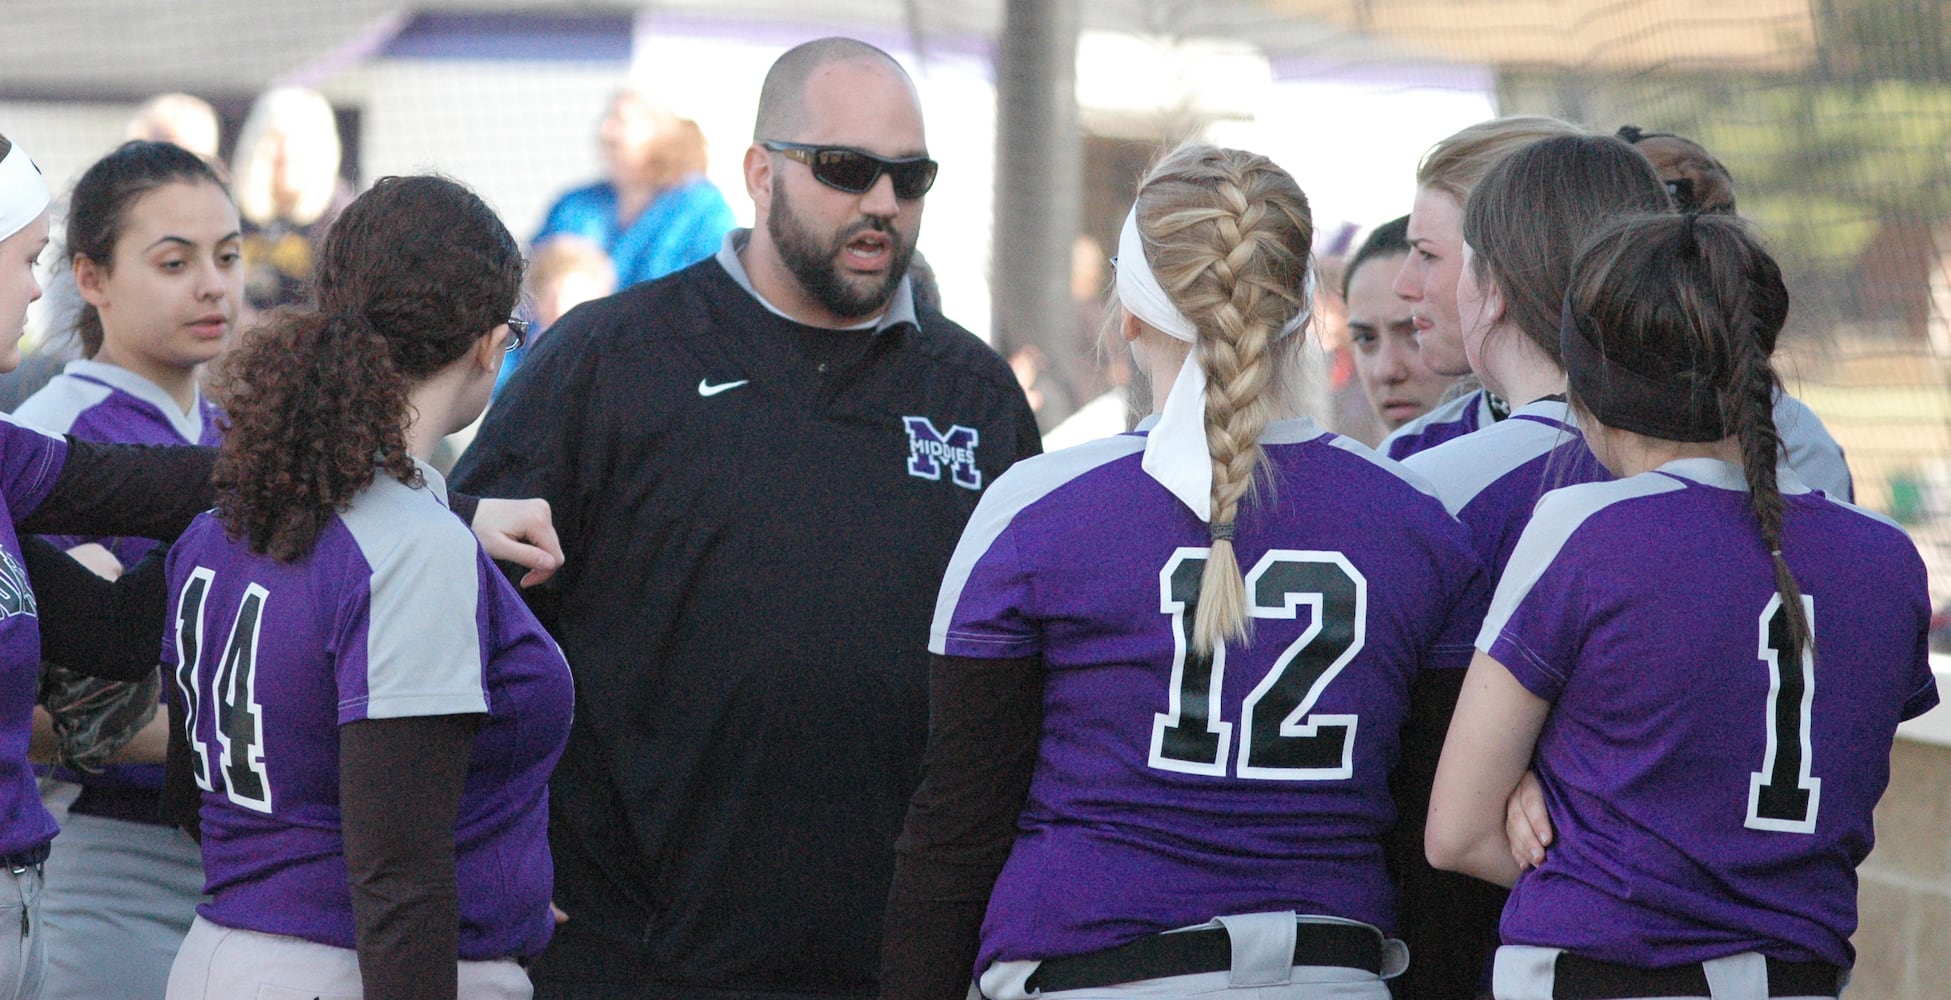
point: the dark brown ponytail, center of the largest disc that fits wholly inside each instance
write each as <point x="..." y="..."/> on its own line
<point x="1695" y="303"/>
<point x="1754" y="299"/>
<point x="412" y="274"/>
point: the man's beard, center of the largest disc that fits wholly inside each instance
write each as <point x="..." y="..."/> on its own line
<point x="816" y="266"/>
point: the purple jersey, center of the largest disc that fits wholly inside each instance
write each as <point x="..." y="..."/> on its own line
<point x="396" y="612"/>
<point x="30" y="462"/>
<point x="95" y="401"/>
<point x="1708" y="799"/>
<point x="1494" y="477"/>
<point x="1462" y="415"/>
<point x="1171" y="788"/>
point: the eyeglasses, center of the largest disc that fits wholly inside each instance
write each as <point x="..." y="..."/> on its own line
<point x="844" y="168"/>
<point x="517" y="334"/>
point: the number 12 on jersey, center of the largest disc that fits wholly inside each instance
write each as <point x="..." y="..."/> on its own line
<point x="239" y="718"/>
<point x="1281" y="739"/>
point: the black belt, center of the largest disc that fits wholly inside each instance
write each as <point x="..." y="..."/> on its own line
<point x="1575" y="977"/>
<point x="1208" y="949"/>
<point x="26" y="859"/>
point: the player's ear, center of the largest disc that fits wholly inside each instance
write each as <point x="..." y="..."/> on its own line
<point x="89" y="279"/>
<point x="487" y="350"/>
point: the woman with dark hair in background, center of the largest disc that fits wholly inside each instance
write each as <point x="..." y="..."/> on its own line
<point x="1399" y="385"/>
<point x="372" y="711"/>
<point x="1704" y="661"/>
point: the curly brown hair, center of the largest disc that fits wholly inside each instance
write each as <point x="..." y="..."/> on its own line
<point x="412" y="274"/>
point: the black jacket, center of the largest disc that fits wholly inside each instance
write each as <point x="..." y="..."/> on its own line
<point x="755" y="528"/>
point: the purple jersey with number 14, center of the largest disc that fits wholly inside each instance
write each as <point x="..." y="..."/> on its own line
<point x="396" y="612"/>
<point x="1708" y="797"/>
<point x="1172" y="788"/>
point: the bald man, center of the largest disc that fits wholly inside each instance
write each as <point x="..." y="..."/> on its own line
<point x="759" y="467"/>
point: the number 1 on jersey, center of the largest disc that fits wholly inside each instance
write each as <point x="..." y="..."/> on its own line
<point x="1783" y="796"/>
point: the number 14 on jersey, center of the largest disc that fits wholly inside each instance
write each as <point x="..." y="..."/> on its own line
<point x="239" y="718"/>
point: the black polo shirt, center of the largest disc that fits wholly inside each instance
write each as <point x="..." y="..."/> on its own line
<point x="756" y="516"/>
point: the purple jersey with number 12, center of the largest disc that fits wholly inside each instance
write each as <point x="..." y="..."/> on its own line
<point x="396" y="612"/>
<point x="1171" y="788"/>
<point x="1708" y="797"/>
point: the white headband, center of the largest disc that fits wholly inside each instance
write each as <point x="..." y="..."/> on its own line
<point x="1176" y="452"/>
<point x="23" y="192"/>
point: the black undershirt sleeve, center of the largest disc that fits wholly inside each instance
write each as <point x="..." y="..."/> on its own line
<point x="400" y="784"/>
<point x="985" y="719"/>
<point x="149" y="491"/>
<point x="1448" y="920"/>
<point x="110" y="629"/>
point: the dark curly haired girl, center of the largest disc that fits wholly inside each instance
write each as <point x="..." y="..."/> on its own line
<point x="373" y="713"/>
<point x="318" y="399"/>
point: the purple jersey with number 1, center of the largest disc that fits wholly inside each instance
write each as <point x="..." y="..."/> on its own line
<point x="1171" y="788"/>
<point x="396" y="612"/>
<point x="1708" y="797"/>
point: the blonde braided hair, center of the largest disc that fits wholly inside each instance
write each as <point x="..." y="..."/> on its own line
<point x="1228" y="233"/>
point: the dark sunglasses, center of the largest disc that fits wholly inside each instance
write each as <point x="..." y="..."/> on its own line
<point x="517" y="334"/>
<point x="844" y="168"/>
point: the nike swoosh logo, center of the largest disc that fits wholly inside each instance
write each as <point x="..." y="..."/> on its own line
<point x="705" y="388"/>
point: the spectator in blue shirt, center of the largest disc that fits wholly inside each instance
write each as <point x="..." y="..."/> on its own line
<point x="656" y="212"/>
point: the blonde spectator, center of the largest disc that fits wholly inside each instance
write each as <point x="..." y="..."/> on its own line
<point x="285" y="174"/>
